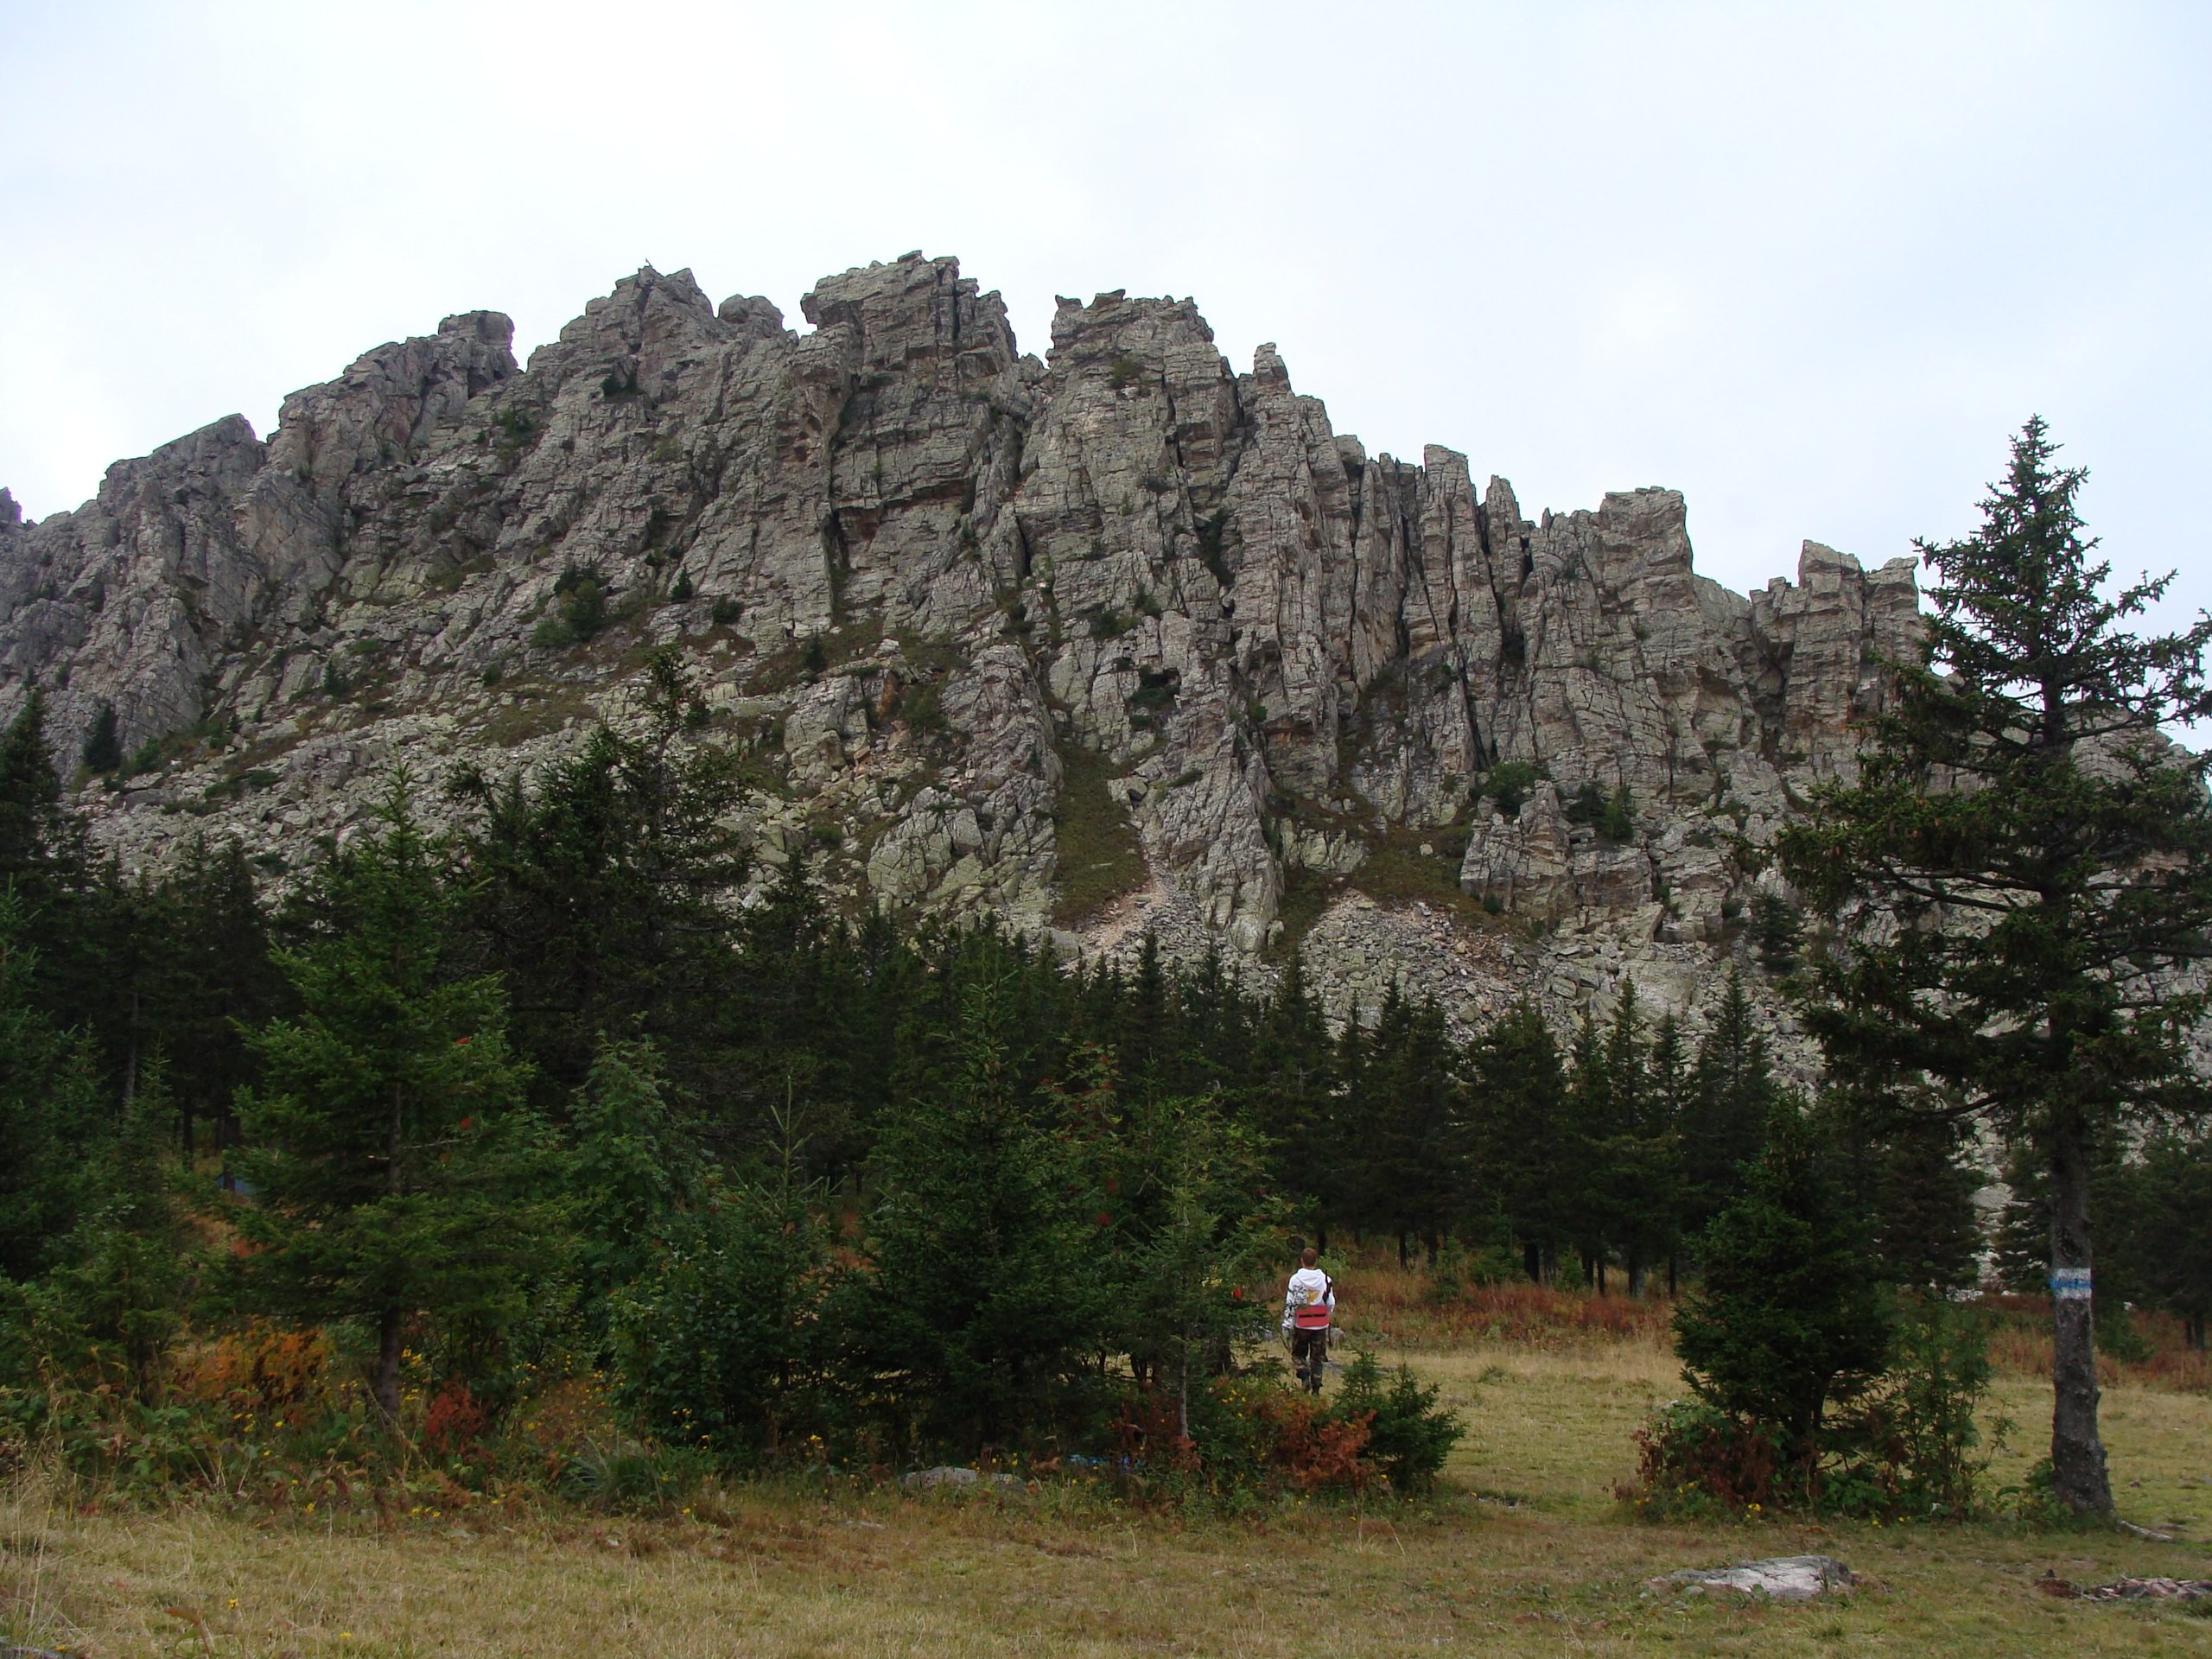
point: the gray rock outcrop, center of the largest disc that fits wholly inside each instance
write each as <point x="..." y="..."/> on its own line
<point x="963" y="609"/>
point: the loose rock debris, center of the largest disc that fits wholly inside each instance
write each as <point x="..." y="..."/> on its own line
<point x="2128" y="1589"/>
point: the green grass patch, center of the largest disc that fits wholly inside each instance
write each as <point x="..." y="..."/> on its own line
<point x="1397" y="872"/>
<point x="811" y="656"/>
<point x="1100" y="856"/>
<point x="535" y="714"/>
<point x="1306" y="894"/>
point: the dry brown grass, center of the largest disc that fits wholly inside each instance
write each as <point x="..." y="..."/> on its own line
<point x="1388" y="1304"/>
<point x="2021" y="1345"/>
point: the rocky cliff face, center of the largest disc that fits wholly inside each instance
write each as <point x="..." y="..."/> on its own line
<point x="991" y="627"/>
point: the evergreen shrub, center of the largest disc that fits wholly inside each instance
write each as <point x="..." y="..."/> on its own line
<point x="720" y="1345"/>
<point x="1509" y="783"/>
<point x="103" y="747"/>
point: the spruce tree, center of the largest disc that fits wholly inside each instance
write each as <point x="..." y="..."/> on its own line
<point x="211" y="977"/>
<point x="599" y="889"/>
<point x="2174" y="1228"/>
<point x="110" y="1313"/>
<point x="1637" y="1187"/>
<point x="1590" y="1135"/>
<point x="51" y="1120"/>
<point x="1732" y="1093"/>
<point x="31" y="824"/>
<point x="1787" y="1320"/>
<point x="1413" y="1145"/>
<point x="1290" y="1095"/>
<point x="397" y="1173"/>
<point x="2022" y="867"/>
<point x="1664" y="1201"/>
<point x="636" y="1171"/>
<point x="103" y="747"/>
<point x="1518" y="1105"/>
<point x="982" y="1298"/>
<point x="1181" y="1181"/>
<point x="1926" y="1233"/>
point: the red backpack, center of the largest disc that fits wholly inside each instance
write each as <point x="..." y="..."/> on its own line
<point x="1314" y="1315"/>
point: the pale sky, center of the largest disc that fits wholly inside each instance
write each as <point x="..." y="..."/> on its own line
<point x="1809" y="264"/>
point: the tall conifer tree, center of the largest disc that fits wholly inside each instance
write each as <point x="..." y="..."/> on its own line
<point x="2022" y="862"/>
<point x="398" y="1173"/>
<point x="1519" y="1110"/>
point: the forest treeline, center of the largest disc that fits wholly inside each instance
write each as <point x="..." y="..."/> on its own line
<point x="537" y="1094"/>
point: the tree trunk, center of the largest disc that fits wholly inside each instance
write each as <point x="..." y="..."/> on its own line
<point x="1182" y="1395"/>
<point x="388" y="1328"/>
<point x="1532" y="1262"/>
<point x="131" y="1056"/>
<point x="2077" y="1455"/>
<point x="1674" y="1276"/>
<point x="389" y="1320"/>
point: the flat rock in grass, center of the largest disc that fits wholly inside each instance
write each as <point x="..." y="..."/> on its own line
<point x="1780" y="1578"/>
<point x="945" y="1477"/>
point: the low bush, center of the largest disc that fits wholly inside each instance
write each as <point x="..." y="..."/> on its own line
<point x="923" y="710"/>
<point x="1409" y="1435"/>
<point x="1250" y="1434"/>
<point x="1510" y="784"/>
<point x="1909" y="1446"/>
<point x="1695" y="1460"/>
<point x="581" y="610"/>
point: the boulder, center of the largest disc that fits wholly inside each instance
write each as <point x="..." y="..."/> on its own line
<point x="1779" y="1578"/>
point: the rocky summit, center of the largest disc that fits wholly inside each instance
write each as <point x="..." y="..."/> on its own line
<point x="1116" y="642"/>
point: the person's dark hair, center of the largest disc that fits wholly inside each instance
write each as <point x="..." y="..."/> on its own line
<point x="1310" y="1256"/>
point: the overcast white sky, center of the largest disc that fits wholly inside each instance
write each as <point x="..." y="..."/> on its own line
<point x="1811" y="264"/>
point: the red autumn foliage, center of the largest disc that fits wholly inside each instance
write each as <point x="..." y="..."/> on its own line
<point x="455" y="1422"/>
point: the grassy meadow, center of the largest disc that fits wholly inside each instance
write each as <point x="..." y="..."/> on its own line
<point x="1526" y="1550"/>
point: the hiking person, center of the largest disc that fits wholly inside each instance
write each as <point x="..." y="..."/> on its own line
<point x="1308" y="1304"/>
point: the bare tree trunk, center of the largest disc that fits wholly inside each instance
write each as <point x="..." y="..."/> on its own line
<point x="389" y="1318"/>
<point x="387" y="1388"/>
<point x="1182" y="1395"/>
<point x="131" y="1059"/>
<point x="2077" y="1455"/>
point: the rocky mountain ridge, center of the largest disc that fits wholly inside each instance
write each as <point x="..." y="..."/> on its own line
<point x="1115" y="640"/>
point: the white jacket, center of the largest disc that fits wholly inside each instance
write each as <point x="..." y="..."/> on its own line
<point x="1308" y="1285"/>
